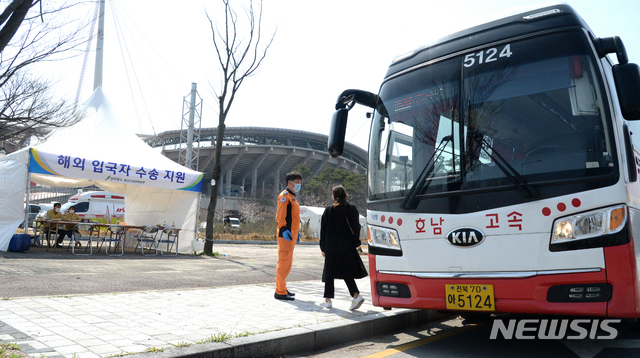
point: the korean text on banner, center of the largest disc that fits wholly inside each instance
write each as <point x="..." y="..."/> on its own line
<point x="124" y="173"/>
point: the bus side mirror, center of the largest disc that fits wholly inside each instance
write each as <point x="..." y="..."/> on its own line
<point x="627" y="79"/>
<point x="337" y="132"/>
<point x="609" y="45"/>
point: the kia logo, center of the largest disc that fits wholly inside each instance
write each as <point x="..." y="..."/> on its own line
<point x="465" y="237"/>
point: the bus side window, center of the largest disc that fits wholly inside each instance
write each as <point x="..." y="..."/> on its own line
<point x="581" y="93"/>
<point x="400" y="155"/>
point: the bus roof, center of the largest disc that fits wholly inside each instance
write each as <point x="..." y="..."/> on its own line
<point x="535" y="20"/>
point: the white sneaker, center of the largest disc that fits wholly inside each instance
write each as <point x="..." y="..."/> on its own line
<point x="356" y="303"/>
<point x="326" y="304"/>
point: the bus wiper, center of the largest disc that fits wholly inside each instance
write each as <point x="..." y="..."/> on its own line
<point x="519" y="181"/>
<point x="410" y="202"/>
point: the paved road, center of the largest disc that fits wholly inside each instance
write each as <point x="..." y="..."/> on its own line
<point x="450" y="338"/>
<point x="44" y="273"/>
<point x="58" y="305"/>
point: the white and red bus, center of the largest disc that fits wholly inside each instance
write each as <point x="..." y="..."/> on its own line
<point x="502" y="171"/>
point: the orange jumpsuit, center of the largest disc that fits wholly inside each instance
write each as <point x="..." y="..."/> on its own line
<point x="288" y="218"/>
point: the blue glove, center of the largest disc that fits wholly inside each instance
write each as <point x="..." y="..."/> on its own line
<point x="299" y="237"/>
<point x="287" y="235"/>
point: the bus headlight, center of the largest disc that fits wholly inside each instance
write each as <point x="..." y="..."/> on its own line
<point x="383" y="237"/>
<point x="589" y="224"/>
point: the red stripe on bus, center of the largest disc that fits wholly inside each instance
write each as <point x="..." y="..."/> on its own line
<point x="622" y="274"/>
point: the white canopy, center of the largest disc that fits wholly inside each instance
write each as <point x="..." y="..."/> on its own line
<point x="101" y="150"/>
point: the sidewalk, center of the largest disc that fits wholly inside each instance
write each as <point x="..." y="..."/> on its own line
<point x="193" y="322"/>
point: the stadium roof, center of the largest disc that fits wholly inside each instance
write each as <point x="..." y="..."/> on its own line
<point x="256" y="157"/>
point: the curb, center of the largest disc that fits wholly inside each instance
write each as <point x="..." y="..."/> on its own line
<point x="304" y="339"/>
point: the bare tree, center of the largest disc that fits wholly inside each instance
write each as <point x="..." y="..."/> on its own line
<point x="254" y="210"/>
<point x="239" y="57"/>
<point x="316" y="199"/>
<point x="28" y="108"/>
<point x="30" y="33"/>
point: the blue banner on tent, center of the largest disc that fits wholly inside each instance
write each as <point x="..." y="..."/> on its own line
<point x="94" y="169"/>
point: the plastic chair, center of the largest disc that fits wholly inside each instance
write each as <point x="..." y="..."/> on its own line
<point x="147" y="237"/>
<point x="168" y="237"/>
<point x="113" y="235"/>
<point x="77" y="236"/>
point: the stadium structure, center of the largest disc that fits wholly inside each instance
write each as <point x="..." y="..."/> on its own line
<point x="255" y="159"/>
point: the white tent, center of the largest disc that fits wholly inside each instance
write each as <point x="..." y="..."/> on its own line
<point x="312" y="216"/>
<point x="13" y="184"/>
<point x="101" y="150"/>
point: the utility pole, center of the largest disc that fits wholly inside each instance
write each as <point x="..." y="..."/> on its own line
<point x="191" y="118"/>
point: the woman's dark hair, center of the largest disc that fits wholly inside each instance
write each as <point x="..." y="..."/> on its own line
<point x="340" y="196"/>
<point x="72" y="207"/>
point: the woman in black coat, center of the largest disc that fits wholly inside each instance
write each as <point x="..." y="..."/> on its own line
<point x="339" y="241"/>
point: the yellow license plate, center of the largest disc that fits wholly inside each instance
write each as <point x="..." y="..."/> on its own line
<point x="470" y="297"/>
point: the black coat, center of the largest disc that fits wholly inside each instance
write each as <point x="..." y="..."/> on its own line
<point x="339" y="240"/>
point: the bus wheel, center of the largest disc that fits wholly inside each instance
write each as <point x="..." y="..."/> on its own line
<point x="387" y="308"/>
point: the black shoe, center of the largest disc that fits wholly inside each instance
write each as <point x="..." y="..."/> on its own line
<point x="290" y="293"/>
<point x="58" y="245"/>
<point x="283" y="297"/>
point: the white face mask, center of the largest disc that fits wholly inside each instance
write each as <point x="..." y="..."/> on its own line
<point x="72" y="211"/>
<point x="297" y="187"/>
<point x="57" y="210"/>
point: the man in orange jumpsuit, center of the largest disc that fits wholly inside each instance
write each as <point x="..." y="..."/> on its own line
<point x="288" y="218"/>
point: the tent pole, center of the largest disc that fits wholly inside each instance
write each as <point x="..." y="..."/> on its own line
<point x="97" y="79"/>
<point x="27" y="209"/>
<point x="198" y="215"/>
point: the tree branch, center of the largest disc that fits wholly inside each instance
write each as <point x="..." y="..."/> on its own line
<point x="27" y="104"/>
<point x="232" y="60"/>
<point x="15" y="18"/>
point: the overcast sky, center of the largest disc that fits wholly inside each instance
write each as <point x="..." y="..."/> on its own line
<point x="320" y="49"/>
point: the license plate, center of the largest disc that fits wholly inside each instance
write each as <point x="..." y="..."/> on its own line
<point x="470" y="297"/>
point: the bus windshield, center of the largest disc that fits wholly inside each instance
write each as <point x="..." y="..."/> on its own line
<point x="527" y="111"/>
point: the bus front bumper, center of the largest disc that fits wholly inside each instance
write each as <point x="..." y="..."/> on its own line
<point x="526" y="293"/>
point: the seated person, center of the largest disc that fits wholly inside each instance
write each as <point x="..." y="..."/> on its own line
<point x="67" y="229"/>
<point x="51" y="214"/>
